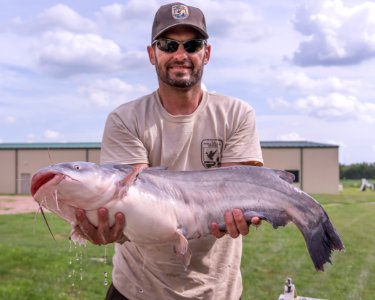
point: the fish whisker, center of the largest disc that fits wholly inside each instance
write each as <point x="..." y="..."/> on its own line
<point x="35" y="215"/>
<point x="45" y="220"/>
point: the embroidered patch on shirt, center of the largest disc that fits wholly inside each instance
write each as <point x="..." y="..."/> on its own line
<point x="211" y="152"/>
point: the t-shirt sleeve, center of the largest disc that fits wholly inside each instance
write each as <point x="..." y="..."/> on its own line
<point x="121" y="143"/>
<point x="243" y="143"/>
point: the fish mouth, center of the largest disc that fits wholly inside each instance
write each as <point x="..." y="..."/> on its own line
<point x="39" y="180"/>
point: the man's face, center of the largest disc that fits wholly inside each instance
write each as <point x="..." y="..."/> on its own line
<point x="179" y="69"/>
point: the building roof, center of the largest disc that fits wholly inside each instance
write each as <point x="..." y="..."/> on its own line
<point x="295" y="144"/>
<point x="92" y="145"/>
<point x="13" y="146"/>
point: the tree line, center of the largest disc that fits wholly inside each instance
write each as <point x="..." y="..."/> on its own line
<point x="357" y="171"/>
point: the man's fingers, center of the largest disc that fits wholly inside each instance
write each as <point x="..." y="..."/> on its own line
<point x="240" y="222"/>
<point x="116" y="231"/>
<point x="256" y="221"/>
<point x="231" y="224"/>
<point x="216" y="232"/>
<point x="84" y="227"/>
<point x="103" y="227"/>
<point x="81" y="216"/>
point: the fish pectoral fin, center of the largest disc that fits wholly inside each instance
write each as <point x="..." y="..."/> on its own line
<point x="181" y="248"/>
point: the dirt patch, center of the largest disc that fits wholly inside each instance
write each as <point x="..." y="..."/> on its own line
<point x="17" y="205"/>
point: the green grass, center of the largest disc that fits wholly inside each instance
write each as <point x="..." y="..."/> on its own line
<point x="354" y="183"/>
<point x="34" y="266"/>
<point x="271" y="256"/>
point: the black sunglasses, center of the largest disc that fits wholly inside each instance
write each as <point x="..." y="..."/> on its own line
<point x="170" y="46"/>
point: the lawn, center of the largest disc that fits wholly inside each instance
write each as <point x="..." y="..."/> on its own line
<point x="270" y="256"/>
<point x="34" y="266"/>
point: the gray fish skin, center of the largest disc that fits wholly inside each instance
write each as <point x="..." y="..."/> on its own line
<point x="162" y="205"/>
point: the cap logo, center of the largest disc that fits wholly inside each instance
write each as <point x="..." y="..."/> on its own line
<point x="180" y="12"/>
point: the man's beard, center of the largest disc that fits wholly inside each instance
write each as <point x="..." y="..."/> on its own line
<point x="192" y="80"/>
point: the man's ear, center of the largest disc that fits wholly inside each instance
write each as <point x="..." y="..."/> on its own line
<point x="151" y="54"/>
<point x="207" y="54"/>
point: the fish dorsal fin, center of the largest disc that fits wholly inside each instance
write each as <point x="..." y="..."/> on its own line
<point x="284" y="175"/>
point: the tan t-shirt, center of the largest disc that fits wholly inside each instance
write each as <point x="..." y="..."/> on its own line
<point x="222" y="129"/>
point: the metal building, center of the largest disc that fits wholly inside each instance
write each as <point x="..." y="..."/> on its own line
<point x="19" y="161"/>
<point x="315" y="165"/>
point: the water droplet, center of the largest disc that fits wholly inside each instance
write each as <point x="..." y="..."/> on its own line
<point x="105" y="282"/>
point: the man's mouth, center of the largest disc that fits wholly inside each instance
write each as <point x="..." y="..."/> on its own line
<point x="180" y="67"/>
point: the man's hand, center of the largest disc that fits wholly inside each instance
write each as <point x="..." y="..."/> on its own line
<point x="236" y="224"/>
<point x="103" y="234"/>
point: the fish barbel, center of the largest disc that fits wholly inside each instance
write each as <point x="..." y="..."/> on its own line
<point x="181" y="205"/>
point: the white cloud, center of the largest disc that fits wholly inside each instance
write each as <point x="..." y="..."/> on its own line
<point x="63" y="43"/>
<point x="301" y="82"/>
<point x="278" y="103"/>
<point x="61" y="53"/>
<point x="337" y="106"/>
<point x="332" y="98"/>
<point x="236" y="20"/>
<point x="111" y="92"/>
<point x="3" y="76"/>
<point x="337" y="34"/>
<point x="129" y="22"/>
<point x="341" y="144"/>
<point x="331" y="107"/>
<point x="9" y="77"/>
<point x="132" y="10"/>
<point x="10" y="119"/>
<point x="51" y="134"/>
<point x="59" y="16"/>
<point x="292" y="136"/>
<point x="30" y="138"/>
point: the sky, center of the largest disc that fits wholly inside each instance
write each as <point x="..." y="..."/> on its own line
<point x="306" y="67"/>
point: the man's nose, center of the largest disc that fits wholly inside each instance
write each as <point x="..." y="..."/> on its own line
<point x="181" y="50"/>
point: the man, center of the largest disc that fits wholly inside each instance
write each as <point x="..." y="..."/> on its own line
<point x="182" y="127"/>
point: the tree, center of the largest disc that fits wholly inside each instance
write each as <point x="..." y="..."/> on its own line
<point x="357" y="171"/>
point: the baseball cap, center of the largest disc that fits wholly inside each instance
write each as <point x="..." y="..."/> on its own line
<point x="174" y="14"/>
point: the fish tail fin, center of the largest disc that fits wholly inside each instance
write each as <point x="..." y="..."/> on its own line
<point x="322" y="242"/>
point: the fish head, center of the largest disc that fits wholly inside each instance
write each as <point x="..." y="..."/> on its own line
<point x="65" y="186"/>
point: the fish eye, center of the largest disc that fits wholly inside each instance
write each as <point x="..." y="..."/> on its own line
<point x="76" y="167"/>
